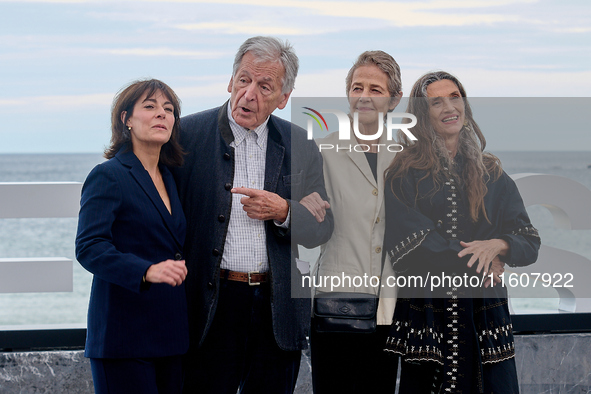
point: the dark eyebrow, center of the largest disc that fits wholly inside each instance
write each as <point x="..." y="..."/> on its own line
<point x="154" y="101"/>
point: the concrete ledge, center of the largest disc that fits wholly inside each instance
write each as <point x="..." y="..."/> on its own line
<point x="45" y="372"/>
<point x="554" y="363"/>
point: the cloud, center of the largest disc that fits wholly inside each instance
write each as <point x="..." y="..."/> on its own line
<point x="47" y="1"/>
<point x="480" y="82"/>
<point x="329" y="83"/>
<point x="13" y="103"/>
<point x="397" y="13"/>
<point x="366" y="15"/>
<point x="401" y="14"/>
<point x="66" y="103"/>
<point x="574" y="30"/>
<point x="61" y="102"/>
<point x="246" y="27"/>
<point x="163" y="52"/>
<point x="213" y="90"/>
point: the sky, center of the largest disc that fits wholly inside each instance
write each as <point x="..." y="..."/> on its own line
<point x="62" y="62"/>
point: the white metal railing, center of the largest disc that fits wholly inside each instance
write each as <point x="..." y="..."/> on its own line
<point x="568" y="201"/>
<point x="38" y="200"/>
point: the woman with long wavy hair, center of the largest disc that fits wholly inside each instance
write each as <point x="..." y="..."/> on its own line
<point x="451" y="212"/>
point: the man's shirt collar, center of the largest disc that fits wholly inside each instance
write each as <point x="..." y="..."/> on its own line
<point x="240" y="132"/>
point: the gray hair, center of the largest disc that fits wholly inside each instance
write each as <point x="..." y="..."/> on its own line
<point x="384" y="62"/>
<point x="271" y="49"/>
<point x="471" y="142"/>
<point x="435" y="76"/>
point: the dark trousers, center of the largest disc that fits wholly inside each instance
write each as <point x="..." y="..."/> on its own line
<point x="240" y="351"/>
<point x="352" y="363"/>
<point x="426" y="378"/>
<point x="161" y="375"/>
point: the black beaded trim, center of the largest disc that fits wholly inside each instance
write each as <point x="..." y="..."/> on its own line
<point x="452" y="208"/>
<point x="453" y="341"/>
<point x="527" y="230"/>
<point x="499" y="353"/>
<point x="412" y="353"/>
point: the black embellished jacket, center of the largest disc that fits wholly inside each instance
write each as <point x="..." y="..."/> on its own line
<point x="443" y="313"/>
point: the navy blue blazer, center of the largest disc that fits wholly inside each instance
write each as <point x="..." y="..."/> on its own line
<point x="293" y="170"/>
<point x="123" y="228"/>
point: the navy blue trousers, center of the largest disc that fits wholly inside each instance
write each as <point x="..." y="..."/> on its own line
<point x="240" y="352"/>
<point x="161" y="375"/>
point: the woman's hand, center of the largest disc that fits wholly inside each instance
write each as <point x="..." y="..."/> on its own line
<point x="484" y="252"/>
<point x="316" y="205"/>
<point x="172" y="272"/>
<point x="497" y="267"/>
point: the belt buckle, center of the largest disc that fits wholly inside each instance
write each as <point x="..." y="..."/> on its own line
<point x="250" y="283"/>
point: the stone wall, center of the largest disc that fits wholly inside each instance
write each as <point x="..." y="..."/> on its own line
<point x="554" y="363"/>
<point x="557" y="363"/>
<point x="45" y="372"/>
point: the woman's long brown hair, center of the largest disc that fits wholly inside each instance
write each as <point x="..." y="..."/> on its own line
<point x="430" y="155"/>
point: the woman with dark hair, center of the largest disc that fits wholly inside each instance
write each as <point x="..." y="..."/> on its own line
<point x="131" y="231"/>
<point x="451" y="210"/>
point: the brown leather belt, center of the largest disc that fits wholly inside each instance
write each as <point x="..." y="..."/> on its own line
<point x="253" y="278"/>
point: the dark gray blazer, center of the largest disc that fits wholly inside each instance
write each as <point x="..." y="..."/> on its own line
<point x="293" y="170"/>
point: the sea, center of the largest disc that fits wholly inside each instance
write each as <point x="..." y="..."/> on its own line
<point x="55" y="237"/>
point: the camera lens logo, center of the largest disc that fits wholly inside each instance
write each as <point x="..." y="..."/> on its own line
<point x="345" y="123"/>
<point x="315" y="118"/>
